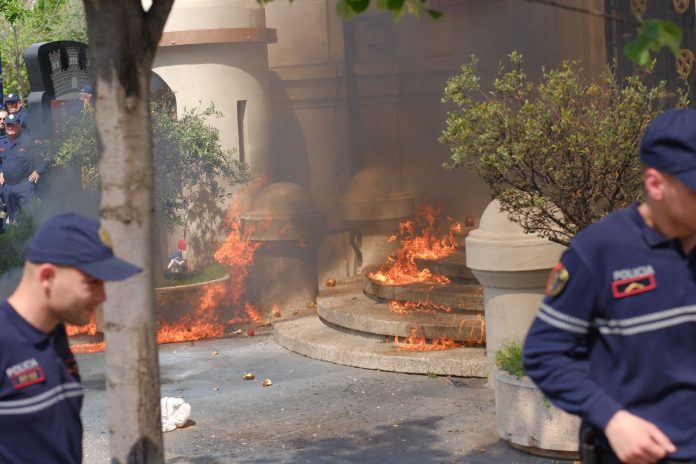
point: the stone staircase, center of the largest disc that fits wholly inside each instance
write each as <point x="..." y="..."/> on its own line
<point x="354" y="324"/>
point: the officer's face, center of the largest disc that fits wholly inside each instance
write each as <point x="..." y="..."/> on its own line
<point x="679" y="203"/>
<point x="12" y="129"/>
<point x="74" y="295"/>
<point x="13" y="107"/>
<point x="3" y="115"/>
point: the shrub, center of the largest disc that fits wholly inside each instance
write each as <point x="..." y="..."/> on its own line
<point x="188" y="158"/>
<point x="509" y="358"/>
<point x="558" y="154"/>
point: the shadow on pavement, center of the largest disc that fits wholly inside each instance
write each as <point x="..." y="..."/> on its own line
<point x="409" y="442"/>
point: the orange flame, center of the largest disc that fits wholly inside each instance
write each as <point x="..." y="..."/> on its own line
<point x="420" y="238"/>
<point x="418" y="343"/>
<point x="407" y="307"/>
<point x="88" y="347"/>
<point x="88" y="329"/>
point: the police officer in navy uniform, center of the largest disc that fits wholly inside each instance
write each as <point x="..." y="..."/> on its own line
<point x="68" y="261"/>
<point x="15" y="106"/>
<point x="615" y="338"/>
<point x="20" y="169"/>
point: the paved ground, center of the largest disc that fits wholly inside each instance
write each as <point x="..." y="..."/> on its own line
<point x="314" y="412"/>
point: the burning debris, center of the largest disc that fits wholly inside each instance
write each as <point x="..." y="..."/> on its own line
<point x="407" y="307"/>
<point x="416" y="342"/>
<point x="428" y="236"/>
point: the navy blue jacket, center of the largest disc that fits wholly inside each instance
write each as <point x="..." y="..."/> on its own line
<point x="19" y="159"/>
<point x="40" y="394"/>
<point x="622" y="332"/>
<point x="23" y="116"/>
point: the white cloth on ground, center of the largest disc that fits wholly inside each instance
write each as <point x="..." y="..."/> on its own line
<point x="175" y="413"/>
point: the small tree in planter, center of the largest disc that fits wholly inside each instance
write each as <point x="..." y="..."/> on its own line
<point x="559" y="154"/>
<point x="189" y="165"/>
<point x="524" y="417"/>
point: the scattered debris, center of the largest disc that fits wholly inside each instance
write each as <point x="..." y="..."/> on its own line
<point x="277" y="312"/>
<point x="312" y="305"/>
<point x="215" y="353"/>
<point x="237" y="332"/>
<point x="330" y="282"/>
<point x="267" y="383"/>
<point x="250" y="332"/>
<point x="248" y="376"/>
<point x="216" y="388"/>
<point x="175" y="413"/>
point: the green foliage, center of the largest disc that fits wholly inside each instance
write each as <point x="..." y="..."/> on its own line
<point x="509" y="358"/>
<point x="15" y="239"/>
<point x="188" y="159"/>
<point x="31" y="22"/>
<point x="350" y="8"/>
<point x="14" y="10"/>
<point x="653" y="35"/>
<point x="559" y="154"/>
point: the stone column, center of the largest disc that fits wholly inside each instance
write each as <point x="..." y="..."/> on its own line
<point x="512" y="268"/>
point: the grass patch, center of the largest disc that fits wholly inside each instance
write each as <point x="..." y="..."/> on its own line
<point x="509" y="359"/>
<point x="212" y="272"/>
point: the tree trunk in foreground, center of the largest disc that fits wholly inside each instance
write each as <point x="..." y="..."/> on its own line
<point x="123" y="40"/>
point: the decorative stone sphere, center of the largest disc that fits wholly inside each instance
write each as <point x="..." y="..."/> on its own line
<point x="283" y="198"/>
<point x="284" y="211"/>
<point x="373" y="194"/>
<point x="500" y="244"/>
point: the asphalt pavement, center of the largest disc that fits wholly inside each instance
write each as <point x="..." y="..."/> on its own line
<point x="314" y="412"/>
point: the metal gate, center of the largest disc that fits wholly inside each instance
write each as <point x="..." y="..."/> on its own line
<point x="668" y="68"/>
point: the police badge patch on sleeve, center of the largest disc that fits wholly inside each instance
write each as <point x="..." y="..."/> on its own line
<point x="557" y="280"/>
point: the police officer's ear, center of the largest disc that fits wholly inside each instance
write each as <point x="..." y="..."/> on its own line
<point x="654" y="182"/>
<point x="46" y="274"/>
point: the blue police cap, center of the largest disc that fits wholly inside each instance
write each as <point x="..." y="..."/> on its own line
<point x="12" y="97"/>
<point x="75" y="240"/>
<point x="669" y="145"/>
<point x="12" y="119"/>
<point x="86" y="89"/>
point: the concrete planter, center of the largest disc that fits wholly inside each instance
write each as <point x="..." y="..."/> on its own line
<point x="512" y="267"/>
<point x="529" y="423"/>
<point x="171" y="303"/>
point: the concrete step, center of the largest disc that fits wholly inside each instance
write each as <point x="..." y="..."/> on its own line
<point x="368" y="317"/>
<point x="452" y="266"/>
<point x="457" y="296"/>
<point x="310" y="337"/>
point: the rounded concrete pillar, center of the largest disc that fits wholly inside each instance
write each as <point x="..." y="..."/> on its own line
<point x="216" y="51"/>
<point x="288" y="228"/>
<point x="512" y="267"/>
<point x="374" y="205"/>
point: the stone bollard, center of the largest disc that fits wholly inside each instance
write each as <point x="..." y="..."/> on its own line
<point x="288" y="228"/>
<point x="512" y="267"/>
<point x="374" y="205"/>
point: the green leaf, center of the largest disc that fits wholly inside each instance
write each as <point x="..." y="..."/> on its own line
<point x="395" y="5"/>
<point x="434" y="13"/>
<point x="637" y="51"/>
<point x="343" y="10"/>
<point x="358" y="6"/>
<point x="653" y="35"/>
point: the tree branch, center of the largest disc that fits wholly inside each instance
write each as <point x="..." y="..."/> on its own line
<point x="155" y="19"/>
<point x="596" y="13"/>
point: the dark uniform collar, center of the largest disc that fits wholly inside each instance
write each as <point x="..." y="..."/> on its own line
<point x="28" y="331"/>
<point x="652" y="236"/>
